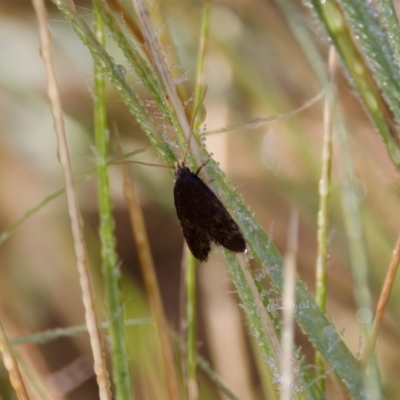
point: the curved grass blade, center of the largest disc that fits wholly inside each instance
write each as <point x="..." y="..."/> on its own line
<point x="372" y="71"/>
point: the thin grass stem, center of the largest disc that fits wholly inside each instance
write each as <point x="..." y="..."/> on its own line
<point x="383" y="300"/>
<point x="287" y="338"/>
<point x="190" y="285"/>
<point x="202" y="51"/>
<point x="262" y="121"/>
<point x="119" y="354"/>
<point x="54" y="334"/>
<point x="12" y="367"/>
<point x="325" y="185"/>
<point x="73" y="208"/>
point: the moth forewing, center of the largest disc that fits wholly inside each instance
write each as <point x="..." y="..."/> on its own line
<point x="203" y="218"/>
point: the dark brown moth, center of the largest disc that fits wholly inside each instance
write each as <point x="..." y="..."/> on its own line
<point x="204" y="219"/>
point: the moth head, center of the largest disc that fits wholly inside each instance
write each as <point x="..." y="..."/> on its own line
<point x="181" y="169"/>
<point x="178" y="166"/>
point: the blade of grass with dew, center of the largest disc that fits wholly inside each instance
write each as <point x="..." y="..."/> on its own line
<point x="376" y="50"/>
<point x="171" y="53"/>
<point x="310" y="318"/>
<point x="263" y="328"/>
<point x="365" y="24"/>
<point x="119" y="355"/>
<point x="163" y="98"/>
<point x="114" y="73"/>
<point x="269" y="347"/>
<point x="267" y="377"/>
<point x="134" y="55"/>
<point x="308" y="377"/>
<point x="160" y="65"/>
<point x="391" y="23"/>
<point x="267" y="387"/>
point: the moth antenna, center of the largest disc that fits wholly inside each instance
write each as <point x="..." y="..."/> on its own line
<point x="201" y="166"/>
<point x="192" y="123"/>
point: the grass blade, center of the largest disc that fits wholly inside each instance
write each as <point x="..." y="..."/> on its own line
<point x="378" y="88"/>
<point x="119" y="354"/>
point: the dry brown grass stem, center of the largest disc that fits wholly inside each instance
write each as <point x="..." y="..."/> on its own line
<point x="289" y="290"/>
<point x="12" y="366"/>
<point x="120" y="10"/>
<point x="150" y="280"/>
<point x="384" y="298"/>
<point x="73" y="209"/>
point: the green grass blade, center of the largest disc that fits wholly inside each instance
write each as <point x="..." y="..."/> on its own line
<point x="199" y="87"/>
<point x="117" y="77"/>
<point x="354" y="17"/>
<point x="391" y="22"/>
<point x="308" y="315"/>
<point x="119" y="354"/>
<point x="357" y="251"/>
<point x="136" y="58"/>
<point x="190" y="286"/>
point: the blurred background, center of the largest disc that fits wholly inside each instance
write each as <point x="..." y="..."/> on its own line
<point x="254" y="69"/>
